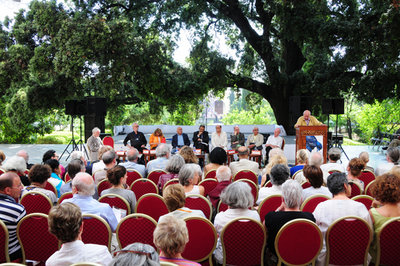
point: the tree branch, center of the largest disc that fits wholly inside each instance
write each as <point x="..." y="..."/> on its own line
<point x="250" y="85"/>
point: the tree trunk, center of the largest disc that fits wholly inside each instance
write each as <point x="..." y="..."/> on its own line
<point x="349" y="128"/>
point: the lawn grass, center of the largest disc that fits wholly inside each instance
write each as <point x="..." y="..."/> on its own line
<point x="60" y="137"/>
<point x="350" y="142"/>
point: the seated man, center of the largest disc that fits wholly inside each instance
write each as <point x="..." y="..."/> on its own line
<point x="162" y="152"/>
<point x="180" y="139"/>
<point x="74" y="167"/>
<point x="132" y="163"/>
<point x="24" y="154"/>
<point x="273" y="142"/>
<point x="136" y="139"/>
<point x="83" y="190"/>
<point x="237" y="139"/>
<point x="65" y="222"/>
<point x="109" y="161"/>
<point x="10" y="211"/>
<point x="224" y="176"/>
<point x="255" y="140"/>
<point x="244" y="163"/>
<point x="333" y="164"/>
<point x="392" y="158"/>
<point x="219" y="138"/>
<point x="279" y="174"/>
<point x="201" y="139"/>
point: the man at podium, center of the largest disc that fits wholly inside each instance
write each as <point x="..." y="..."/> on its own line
<point x="307" y="120"/>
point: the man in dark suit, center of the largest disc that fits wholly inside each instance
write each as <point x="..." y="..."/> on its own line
<point x="201" y="139"/>
<point x="136" y="138"/>
<point x="180" y="139"/>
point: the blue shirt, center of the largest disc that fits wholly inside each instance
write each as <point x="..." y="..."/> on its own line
<point x="92" y="206"/>
<point x="58" y="186"/>
<point x="138" y="167"/>
<point x="295" y="168"/>
<point x="157" y="164"/>
<point x="180" y="140"/>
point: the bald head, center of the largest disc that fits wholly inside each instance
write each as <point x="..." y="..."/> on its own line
<point x="179" y="131"/>
<point x="83" y="184"/>
<point x="243" y="152"/>
<point x="316" y="159"/>
<point x="23" y="154"/>
<point x="306" y="114"/>
<point x="133" y="155"/>
<point x="277" y="131"/>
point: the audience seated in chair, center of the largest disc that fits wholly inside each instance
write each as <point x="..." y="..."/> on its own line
<point x="244" y="163"/>
<point x="224" y="176"/>
<point x="279" y="174"/>
<point x="392" y="157"/>
<point x="365" y="157"/>
<point x="274" y="141"/>
<point x="316" y="159"/>
<point x="163" y="152"/>
<point x="171" y="237"/>
<point x="11" y="211"/>
<point x="314" y="176"/>
<point x="239" y="199"/>
<point x="289" y="210"/>
<point x="51" y="154"/>
<point x="83" y="190"/>
<point x="117" y="177"/>
<point x="136" y="254"/>
<point x="38" y="176"/>
<point x="173" y="167"/>
<point x="24" y="154"/>
<point x="2" y="157"/>
<point x="132" y="163"/>
<point x="302" y="159"/>
<point x="339" y="206"/>
<point x="333" y="163"/>
<point x="217" y="158"/>
<point x="189" y="176"/>
<point x="188" y="155"/>
<point x="276" y="157"/>
<point x="74" y="167"/>
<point x="175" y="198"/>
<point x="16" y="164"/>
<point x="99" y="164"/>
<point x="109" y="159"/>
<point x="55" y="178"/>
<point x="354" y="170"/>
<point x="65" y="222"/>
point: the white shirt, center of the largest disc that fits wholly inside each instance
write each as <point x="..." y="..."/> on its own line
<point x="194" y="191"/>
<point x="268" y="191"/>
<point x="77" y="251"/>
<point x="183" y="213"/>
<point x="275" y="141"/>
<point x="329" y="211"/>
<point x="383" y="168"/>
<point x="98" y="166"/>
<point x="244" y="164"/>
<point x="333" y="166"/>
<point x="219" y="140"/>
<point x="311" y="191"/>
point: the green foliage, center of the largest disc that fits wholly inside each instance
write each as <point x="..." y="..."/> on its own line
<point x="263" y="114"/>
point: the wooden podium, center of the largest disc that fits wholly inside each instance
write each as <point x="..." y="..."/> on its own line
<point x="303" y="131"/>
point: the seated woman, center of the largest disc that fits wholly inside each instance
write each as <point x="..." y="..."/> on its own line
<point x="171" y="237"/>
<point x="189" y="176"/>
<point x="217" y="158"/>
<point x="17" y="165"/>
<point x="354" y="170"/>
<point x="342" y="205"/>
<point x="175" y="198"/>
<point x="38" y="176"/>
<point x="387" y="191"/>
<point x="302" y="159"/>
<point x="173" y="167"/>
<point x="188" y="155"/>
<point x="314" y="176"/>
<point x="99" y="164"/>
<point x="279" y="174"/>
<point x="117" y="177"/>
<point x="156" y="138"/>
<point x="278" y="158"/>
<point x="55" y="178"/>
<point x="239" y="199"/>
<point x="136" y="254"/>
<point x="289" y="210"/>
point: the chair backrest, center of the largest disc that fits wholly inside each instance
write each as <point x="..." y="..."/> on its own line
<point x="211" y="174"/>
<point x="310" y="203"/>
<point x="51" y="187"/>
<point x="269" y="204"/>
<point x="209" y="184"/>
<point x="283" y="143"/>
<point x="367" y="177"/>
<point x="155" y="175"/>
<point x="143" y="186"/>
<point x="305" y="185"/>
<point x="136" y="227"/>
<point x="243" y="242"/>
<point x="165" y="263"/>
<point x="152" y="205"/>
<point x="117" y="201"/>
<point x="35" y="201"/>
<point x="334" y="171"/>
<point x="299" y="176"/>
<point x="368" y="190"/>
<point x="64" y="196"/>
<point x="388" y="243"/>
<point x="103" y="185"/>
<point x="96" y="230"/>
<point x="202" y="240"/>
<point x="246" y="174"/>
<point x="133" y="175"/>
<point x="35" y="239"/>
<point x="198" y="202"/>
<point x="4" y="257"/>
<point x="222" y="207"/>
<point x="253" y="186"/>
<point x="364" y="199"/>
<point x="268" y="184"/>
<point x="298" y="242"/>
<point x="108" y="141"/>
<point x="355" y="189"/>
<point x="171" y="182"/>
<point x="67" y="178"/>
<point x="347" y="241"/>
<point x="2" y="171"/>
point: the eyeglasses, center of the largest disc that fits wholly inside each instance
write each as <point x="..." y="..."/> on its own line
<point x="147" y="254"/>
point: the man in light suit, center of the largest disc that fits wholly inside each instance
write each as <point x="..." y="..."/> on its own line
<point x="244" y="163"/>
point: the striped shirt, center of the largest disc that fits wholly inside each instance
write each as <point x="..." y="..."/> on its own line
<point x="11" y="213"/>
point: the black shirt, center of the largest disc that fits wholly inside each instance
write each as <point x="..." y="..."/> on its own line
<point x="274" y="221"/>
<point x="136" y="140"/>
<point x="203" y="139"/>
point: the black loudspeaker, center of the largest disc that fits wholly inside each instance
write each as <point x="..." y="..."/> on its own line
<point x="333" y="106"/>
<point x="298" y="104"/>
<point x="75" y="107"/>
<point x="91" y="121"/>
<point x="97" y="106"/>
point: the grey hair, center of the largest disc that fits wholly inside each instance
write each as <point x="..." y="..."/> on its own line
<point x="108" y="157"/>
<point x="334" y="154"/>
<point x="223" y="173"/>
<point x="175" y="164"/>
<point x="336" y="183"/>
<point x="292" y="192"/>
<point x="24" y="154"/>
<point x="393" y="154"/>
<point x="316" y="159"/>
<point x="163" y="150"/>
<point x="238" y="195"/>
<point x="81" y="186"/>
<point x="76" y="155"/>
<point x="364" y="156"/>
<point x="279" y="174"/>
<point x="96" y="129"/>
<point x="132" y="259"/>
<point x="133" y="154"/>
<point x="187" y="173"/>
<point x="14" y="163"/>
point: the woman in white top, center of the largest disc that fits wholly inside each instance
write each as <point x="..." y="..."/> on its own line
<point x="314" y="176"/>
<point x="38" y="175"/>
<point x="189" y="176"/>
<point x="238" y="197"/>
